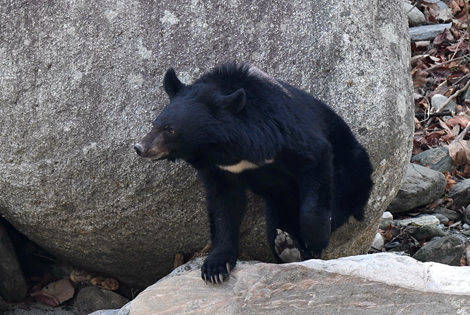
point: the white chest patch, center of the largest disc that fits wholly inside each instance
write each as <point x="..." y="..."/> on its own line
<point x="242" y="166"/>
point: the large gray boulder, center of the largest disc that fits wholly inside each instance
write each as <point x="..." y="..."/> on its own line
<point x="80" y="83"/>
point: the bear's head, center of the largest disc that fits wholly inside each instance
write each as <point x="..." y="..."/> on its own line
<point x="198" y="119"/>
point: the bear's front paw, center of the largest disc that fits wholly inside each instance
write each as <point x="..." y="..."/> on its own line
<point x="217" y="267"/>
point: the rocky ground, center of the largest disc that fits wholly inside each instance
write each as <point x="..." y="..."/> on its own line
<point x="429" y="219"/>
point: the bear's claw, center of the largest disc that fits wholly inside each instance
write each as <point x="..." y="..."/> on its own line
<point x="216" y="272"/>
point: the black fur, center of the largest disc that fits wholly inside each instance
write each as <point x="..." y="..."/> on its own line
<point x="312" y="172"/>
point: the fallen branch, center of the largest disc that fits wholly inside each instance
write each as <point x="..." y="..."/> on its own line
<point x="446" y="62"/>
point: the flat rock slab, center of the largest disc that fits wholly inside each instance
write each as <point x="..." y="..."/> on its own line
<point x="369" y="284"/>
<point x="427" y="32"/>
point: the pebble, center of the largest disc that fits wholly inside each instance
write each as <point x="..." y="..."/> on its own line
<point x="385" y="220"/>
<point x="90" y="299"/>
<point x="442" y="218"/>
<point x="466" y="215"/>
<point x="415" y="16"/>
<point x="425" y="233"/>
<point x="438" y="100"/>
<point x="450" y="214"/>
<point x="378" y="242"/>
<point x="421" y="220"/>
<point x="465" y="226"/>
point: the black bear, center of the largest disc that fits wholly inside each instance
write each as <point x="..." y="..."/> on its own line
<point x="243" y="129"/>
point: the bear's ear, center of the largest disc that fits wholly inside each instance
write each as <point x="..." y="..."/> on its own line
<point x="171" y="83"/>
<point x="234" y="102"/>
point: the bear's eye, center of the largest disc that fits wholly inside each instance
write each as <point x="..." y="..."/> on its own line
<point x="169" y="129"/>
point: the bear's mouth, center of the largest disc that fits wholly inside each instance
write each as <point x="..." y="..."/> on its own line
<point x="159" y="156"/>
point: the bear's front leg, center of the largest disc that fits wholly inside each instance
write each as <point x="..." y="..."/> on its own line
<point x="315" y="193"/>
<point x="226" y="203"/>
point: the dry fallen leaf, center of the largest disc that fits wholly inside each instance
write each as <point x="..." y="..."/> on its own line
<point x="55" y="293"/>
<point x="459" y="152"/>
<point x="461" y="120"/>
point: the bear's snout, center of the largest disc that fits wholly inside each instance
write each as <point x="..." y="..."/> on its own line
<point x="139" y="149"/>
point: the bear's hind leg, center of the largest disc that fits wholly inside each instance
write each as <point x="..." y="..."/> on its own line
<point x="282" y="228"/>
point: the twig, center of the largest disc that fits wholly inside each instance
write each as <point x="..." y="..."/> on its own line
<point x="463" y="133"/>
<point x="457" y="49"/>
<point x="414" y="6"/>
<point x="452" y="97"/>
<point x="462" y="78"/>
<point x="426" y="116"/>
<point x="446" y="62"/>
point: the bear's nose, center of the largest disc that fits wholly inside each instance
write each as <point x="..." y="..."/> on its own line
<point x="139" y="149"/>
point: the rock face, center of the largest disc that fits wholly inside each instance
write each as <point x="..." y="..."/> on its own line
<point x="81" y="82"/>
<point x="353" y="285"/>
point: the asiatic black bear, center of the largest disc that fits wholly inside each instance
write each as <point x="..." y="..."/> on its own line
<point x="243" y="129"/>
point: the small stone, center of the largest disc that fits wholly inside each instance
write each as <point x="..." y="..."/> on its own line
<point x="446" y="250"/>
<point x="438" y="100"/>
<point x="427" y="32"/>
<point x="442" y="218"/>
<point x="419" y="187"/>
<point x="378" y="242"/>
<point x="465" y="226"/>
<point x="385" y="220"/>
<point x="90" y="299"/>
<point x="450" y="214"/>
<point x="437" y="159"/>
<point x="391" y="245"/>
<point x="415" y="16"/>
<point x="466" y="215"/>
<point x="460" y="193"/>
<point x="419" y="221"/>
<point x="425" y="233"/>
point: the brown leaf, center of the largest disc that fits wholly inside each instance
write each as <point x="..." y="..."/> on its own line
<point x="434" y="138"/>
<point x="55" y="293"/>
<point x="459" y="152"/>
<point x="460" y="120"/>
<point x="444" y="37"/>
<point x="466" y="170"/>
<point x="419" y="77"/>
<point x="454" y="5"/>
